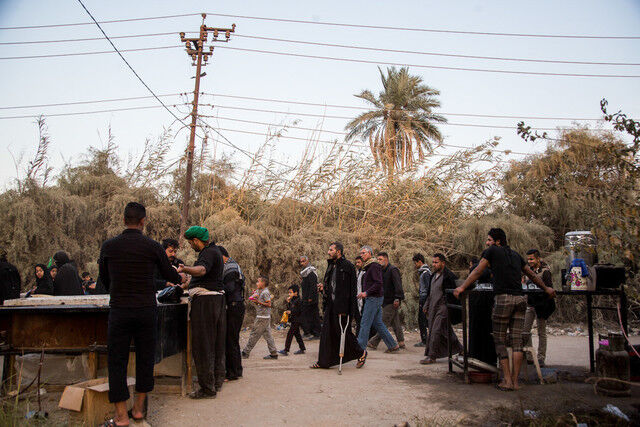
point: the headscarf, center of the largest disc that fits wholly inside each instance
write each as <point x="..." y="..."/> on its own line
<point x="44" y="285"/>
<point x="197" y="232"/>
<point x="61" y="258"/>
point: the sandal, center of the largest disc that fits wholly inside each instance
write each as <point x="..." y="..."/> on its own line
<point x="361" y="360"/>
<point x="315" y="366"/>
<point x="503" y="388"/>
<point x="130" y="413"/>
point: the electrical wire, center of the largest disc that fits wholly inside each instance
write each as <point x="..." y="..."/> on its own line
<point x="345" y="46"/>
<point x="100" y="52"/>
<point x="326" y="116"/>
<point x="336" y="142"/>
<point x="436" y="67"/>
<point x="336" y="24"/>
<point x="331" y="58"/>
<point x="314" y="104"/>
<point x="449" y="55"/>
<point x="113" y="21"/>
<point x="226" y="140"/>
<point x="286" y="126"/>
<point x="87" y="39"/>
<point x="80" y="113"/>
<point x="58" y="104"/>
<point x="427" y="30"/>
<point x="129" y="65"/>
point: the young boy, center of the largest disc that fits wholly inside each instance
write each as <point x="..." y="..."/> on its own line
<point x="294" y="310"/>
<point x="262" y="324"/>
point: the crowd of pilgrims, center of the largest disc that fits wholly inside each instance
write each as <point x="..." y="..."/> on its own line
<point x="361" y="303"/>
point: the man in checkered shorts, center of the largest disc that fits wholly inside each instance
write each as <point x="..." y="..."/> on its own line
<point x="510" y="304"/>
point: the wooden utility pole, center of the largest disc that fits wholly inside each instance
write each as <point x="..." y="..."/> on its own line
<point x="196" y="50"/>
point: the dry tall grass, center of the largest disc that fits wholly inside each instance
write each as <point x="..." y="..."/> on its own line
<point x="270" y="214"/>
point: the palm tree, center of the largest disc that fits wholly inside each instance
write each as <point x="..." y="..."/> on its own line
<point x="402" y="125"/>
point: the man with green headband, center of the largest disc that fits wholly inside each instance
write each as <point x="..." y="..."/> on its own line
<point x="208" y="312"/>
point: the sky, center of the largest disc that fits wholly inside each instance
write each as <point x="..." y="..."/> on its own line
<point x="245" y="73"/>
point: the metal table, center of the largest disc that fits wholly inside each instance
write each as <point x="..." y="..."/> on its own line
<point x="79" y="329"/>
<point x="464" y="306"/>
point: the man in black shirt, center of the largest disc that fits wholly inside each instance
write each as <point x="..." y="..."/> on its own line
<point x="208" y="313"/>
<point x="510" y="306"/>
<point x="127" y="263"/>
<point x="393" y="294"/>
<point x="233" y="280"/>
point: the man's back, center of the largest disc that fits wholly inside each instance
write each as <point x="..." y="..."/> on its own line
<point x="127" y="264"/>
<point x="9" y="281"/>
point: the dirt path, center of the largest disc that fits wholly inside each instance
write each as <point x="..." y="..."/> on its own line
<point x="390" y="389"/>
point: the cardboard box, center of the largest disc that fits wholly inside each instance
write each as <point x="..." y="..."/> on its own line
<point x="88" y="401"/>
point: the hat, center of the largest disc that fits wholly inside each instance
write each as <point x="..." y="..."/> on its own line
<point x="197" y="232"/>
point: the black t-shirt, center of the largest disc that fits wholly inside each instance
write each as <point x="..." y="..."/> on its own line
<point x="127" y="264"/>
<point x="506" y="266"/>
<point x="211" y="259"/>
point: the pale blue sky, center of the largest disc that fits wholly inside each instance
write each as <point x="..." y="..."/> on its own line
<point x="232" y="72"/>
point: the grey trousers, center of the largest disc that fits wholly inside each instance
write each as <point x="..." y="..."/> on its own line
<point x="391" y="319"/>
<point x="542" y="332"/>
<point x="261" y="328"/>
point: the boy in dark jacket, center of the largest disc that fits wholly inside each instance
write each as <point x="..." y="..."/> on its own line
<point x="294" y="310"/>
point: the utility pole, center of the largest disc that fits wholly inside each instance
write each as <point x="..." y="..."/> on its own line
<point x="196" y="50"/>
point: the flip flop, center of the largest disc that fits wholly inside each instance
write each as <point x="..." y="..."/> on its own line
<point x="503" y="388"/>
<point x="130" y="413"/>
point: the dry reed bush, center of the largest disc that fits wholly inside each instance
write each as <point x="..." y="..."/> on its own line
<point x="269" y="215"/>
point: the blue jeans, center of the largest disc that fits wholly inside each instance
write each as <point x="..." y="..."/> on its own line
<point x="372" y="316"/>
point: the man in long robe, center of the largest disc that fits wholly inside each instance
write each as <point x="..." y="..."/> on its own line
<point x="437" y="313"/>
<point x="340" y="307"/>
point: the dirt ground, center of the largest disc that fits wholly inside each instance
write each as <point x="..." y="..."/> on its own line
<point x="390" y="389"/>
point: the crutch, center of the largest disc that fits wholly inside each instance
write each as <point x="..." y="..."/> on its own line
<point x="343" y="333"/>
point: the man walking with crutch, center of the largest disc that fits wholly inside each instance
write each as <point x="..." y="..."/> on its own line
<point x="339" y="294"/>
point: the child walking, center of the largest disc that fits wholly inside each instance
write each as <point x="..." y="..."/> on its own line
<point x="294" y="310"/>
<point x="262" y="325"/>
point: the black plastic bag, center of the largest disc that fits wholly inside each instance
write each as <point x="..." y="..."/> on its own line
<point x="170" y="295"/>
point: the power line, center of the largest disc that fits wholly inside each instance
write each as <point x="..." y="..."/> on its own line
<point x="129" y="65"/>
<point x="113" y="21"/>
<point x="338" y="24"/>
<point x="324" y="116"/>
<point x="227" y="142"/>
<point x="437" y="67"/>
<point x="316" y="104"/>
<point x="80" y="113"/>
<point x="332" y="58"/>
<point x="58" y="104"/>
<point x="366" y="48"/>
<point x="100" y="52"/>
<point x="333" y="132"/>
<point x="427" y="30"/>
<point x="324" y="141"/>
<point x="450" y="55"/>
<point x="285" y="101"/>
<point x="87" y="39"/>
